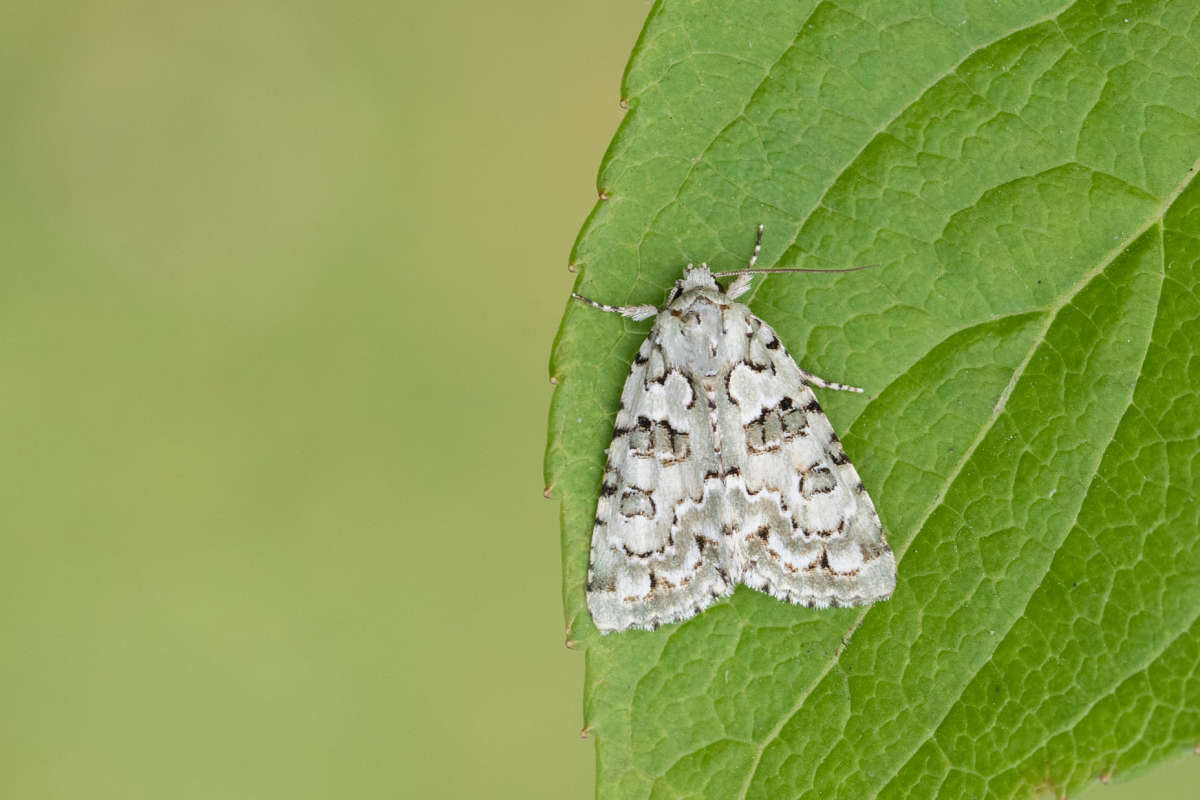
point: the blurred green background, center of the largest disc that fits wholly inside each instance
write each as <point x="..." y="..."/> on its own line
<point x="280" y="282"/>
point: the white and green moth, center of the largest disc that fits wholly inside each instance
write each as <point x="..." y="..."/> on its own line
<point x="723" y="469"/>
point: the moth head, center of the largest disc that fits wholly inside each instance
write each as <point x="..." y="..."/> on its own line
<point x="693" y="278"/>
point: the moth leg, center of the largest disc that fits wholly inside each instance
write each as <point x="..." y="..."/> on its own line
<point x="816" y="380"/>
<point x="633" y="312"/>
<point x="739" y="286"/>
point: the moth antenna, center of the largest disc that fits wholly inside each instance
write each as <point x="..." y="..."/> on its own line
<point x="750" y="270"/>
<point x="773" y="270"/>
<point x="757" y="247"/>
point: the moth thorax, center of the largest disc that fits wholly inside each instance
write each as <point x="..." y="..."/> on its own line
<point x="699" y="336"/>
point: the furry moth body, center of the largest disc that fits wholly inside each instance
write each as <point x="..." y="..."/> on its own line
<point x="722" y="470"/>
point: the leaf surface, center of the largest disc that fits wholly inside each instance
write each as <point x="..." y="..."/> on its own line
<point x="1024" y="173"/>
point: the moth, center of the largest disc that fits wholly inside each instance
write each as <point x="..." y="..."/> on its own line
<point x="723" y="469"/>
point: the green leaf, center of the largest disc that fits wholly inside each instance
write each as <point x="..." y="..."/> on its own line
<point x="1023" y="172"/>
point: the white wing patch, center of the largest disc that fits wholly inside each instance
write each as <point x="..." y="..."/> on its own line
<point x="723" y="470"/>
